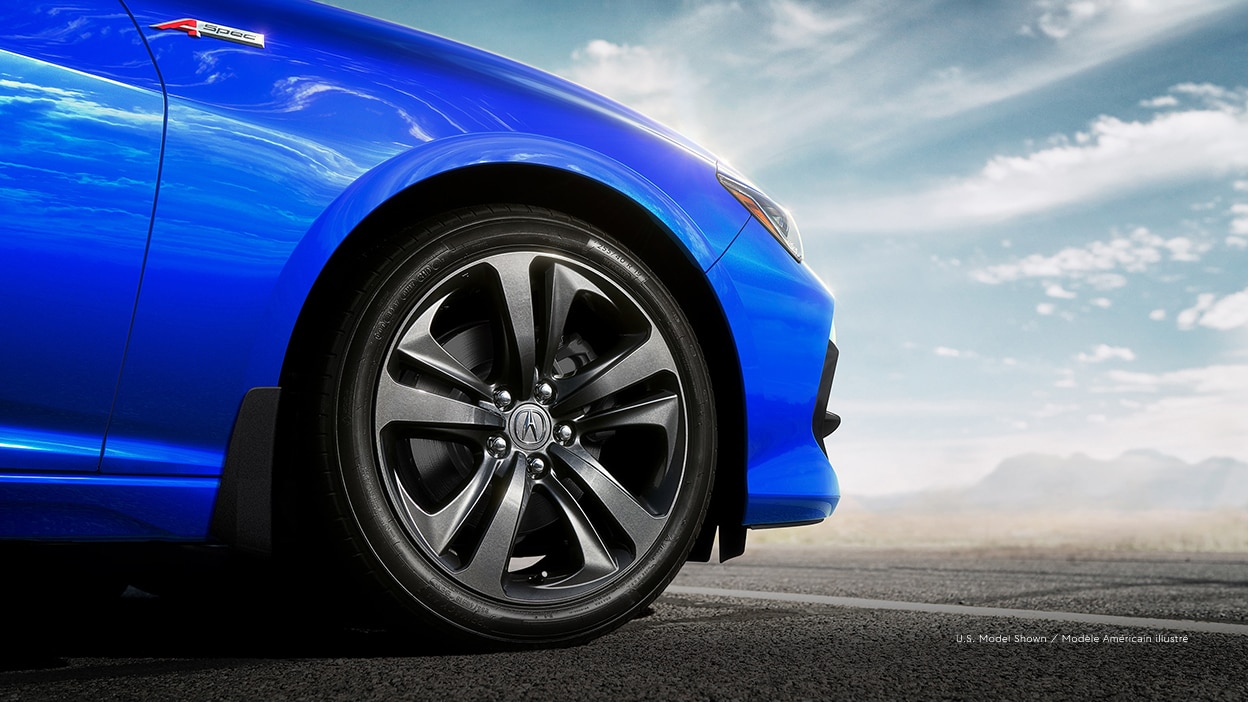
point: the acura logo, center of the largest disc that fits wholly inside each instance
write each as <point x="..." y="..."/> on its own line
<point x="530" y="426"/>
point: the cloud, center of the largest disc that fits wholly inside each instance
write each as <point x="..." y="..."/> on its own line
<point x="1183" y="249"/>
<point x="1230" y="312"/>
<point x="947" y="352"/>
<point x="779" y="76"/>
<point x="1056" y="290"/>
<point x="1104" y="352"/>
<point x="1058" y="19"/>
<point x="1051" y="409"/>
<point x="1111" y="158"/>
<point x="796" y="25"/>
<point x="1188" y="318"/>
<point x="1045" y="309"/>
<point x="1239" y="225"/>
<point x="1157" y="315"/>
<point x="1095" y="262"/>
<point x="1207" y="380"/>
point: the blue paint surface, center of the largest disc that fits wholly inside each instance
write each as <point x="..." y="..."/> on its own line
<point x="79" y="152"/>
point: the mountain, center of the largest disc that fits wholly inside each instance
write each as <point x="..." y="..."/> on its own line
<point x="1135" y="481"/>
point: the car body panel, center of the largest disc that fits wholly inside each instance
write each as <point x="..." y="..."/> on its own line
<point x="273" y="157"/>
<point x="79" y="157"/>
<point x="94" y="507"/>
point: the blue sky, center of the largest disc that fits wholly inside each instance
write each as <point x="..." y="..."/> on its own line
<point x="1034" y="214"/>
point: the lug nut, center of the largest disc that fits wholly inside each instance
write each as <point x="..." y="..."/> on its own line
<point x="563" y="434"/>
<point x="544" y="392"/>
<point x="497" y="446"/>
<point x="502" y="399"/>
<point x="537" y="467"/>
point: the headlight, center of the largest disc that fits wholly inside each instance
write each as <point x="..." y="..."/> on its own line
<point x="768" y="212"/>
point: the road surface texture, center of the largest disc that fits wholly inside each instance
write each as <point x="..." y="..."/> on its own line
<point x="852" y="624"/>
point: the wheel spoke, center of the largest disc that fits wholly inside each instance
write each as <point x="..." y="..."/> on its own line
<point x="440" y="528"/>
<point x="642" y="527"/>
<point x="419" y="348"/>
<point x="484" y="572"/>
<point x="516" y="283"/>
<point x="399" y="403"/>
<point x="661" y="411"/>
<point x="610" y="375"/>
<point x="563" y="284"/>
<point x="596" y="558"/>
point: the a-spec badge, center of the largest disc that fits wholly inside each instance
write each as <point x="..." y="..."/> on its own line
<point x="198" y="28"/>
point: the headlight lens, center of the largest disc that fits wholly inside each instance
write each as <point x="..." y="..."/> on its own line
<point x="768" y="212"/>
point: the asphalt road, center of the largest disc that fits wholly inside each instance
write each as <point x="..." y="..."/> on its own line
<point x="853" y="626"/>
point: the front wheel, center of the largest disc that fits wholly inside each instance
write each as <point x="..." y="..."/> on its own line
<point x="520" y="427"/>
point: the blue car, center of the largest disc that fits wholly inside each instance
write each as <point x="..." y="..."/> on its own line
<point x="312" y="287"/>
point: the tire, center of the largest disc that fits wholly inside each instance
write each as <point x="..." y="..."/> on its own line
<point x="518" y="426"/>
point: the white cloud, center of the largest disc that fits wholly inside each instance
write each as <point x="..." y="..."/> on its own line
<point x="1183" y="249"/>
<point x="1045" y="309"/>
<point x="1107" y="281"/>
<point x="1157" y="315"/>
<point x="947" y="352"/>
<point x="1056" y="290"/>
<point x="1058" y="19"/>
<point x="1239" y="223"/>
<point x="1134" y="253"/>
<point x="1236" y="242"/>
<point x="1188" y="318"/>
<point x="1112" y="157"/>
<point x="1051" y="409"/>
<point x="1230" y="312"/>
<point x="1207" y="380"/>
<point x="1105" y="352"/>
<point x="1103" y="302"/>
<point x="1159" y="102"/>
<point x="1215" y="96"/>
<point x="796" y="25"/>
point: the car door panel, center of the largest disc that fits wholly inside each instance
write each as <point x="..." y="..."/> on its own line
<point x="82" y="117"/>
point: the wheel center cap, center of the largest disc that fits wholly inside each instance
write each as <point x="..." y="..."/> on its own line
<point x="530" y="426"/>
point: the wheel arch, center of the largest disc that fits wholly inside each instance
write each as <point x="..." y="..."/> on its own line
<point x="677" y="257"/>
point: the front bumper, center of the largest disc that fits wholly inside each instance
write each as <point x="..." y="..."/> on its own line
<point x="780" y="315"/>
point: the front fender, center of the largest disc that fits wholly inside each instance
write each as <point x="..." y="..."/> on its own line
<point x="703" y="233"/>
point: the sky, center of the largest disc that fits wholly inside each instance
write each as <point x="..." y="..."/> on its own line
<point x="1034" y="215"/>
